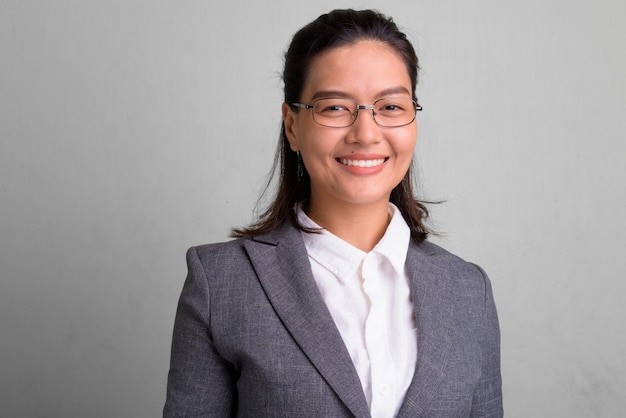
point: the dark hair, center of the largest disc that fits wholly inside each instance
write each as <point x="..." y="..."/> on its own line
<point x="332" y="30"/>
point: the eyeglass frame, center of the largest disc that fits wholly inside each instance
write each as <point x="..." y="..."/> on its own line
<point x="372" y="107"/>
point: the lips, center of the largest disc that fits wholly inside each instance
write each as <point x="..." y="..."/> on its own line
<point x="362" y="163"/>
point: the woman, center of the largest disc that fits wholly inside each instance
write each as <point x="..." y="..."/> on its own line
<point x="333" y="303"/>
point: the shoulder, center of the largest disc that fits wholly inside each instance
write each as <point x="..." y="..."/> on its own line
<point x="441" y="257"/>
<point x="217" y="250"/>
<point x="217" y="259"/>
<point x="452" y="271"/>
<point x="236" y="253"/>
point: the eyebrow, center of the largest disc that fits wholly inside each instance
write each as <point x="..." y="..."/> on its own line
<point x="341" y="94"/>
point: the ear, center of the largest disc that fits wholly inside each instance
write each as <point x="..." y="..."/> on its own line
<point x="290" y="123"/>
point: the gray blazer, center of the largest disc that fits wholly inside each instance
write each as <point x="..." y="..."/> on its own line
<point x="253" y="337"/>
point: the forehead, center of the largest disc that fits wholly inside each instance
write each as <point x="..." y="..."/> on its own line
<point x="362" y="70"/>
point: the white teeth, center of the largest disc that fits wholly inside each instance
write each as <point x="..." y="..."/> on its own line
<point x="362" y="163"/>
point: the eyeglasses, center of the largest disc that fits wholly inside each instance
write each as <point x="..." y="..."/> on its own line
<point x="389" y="112"/>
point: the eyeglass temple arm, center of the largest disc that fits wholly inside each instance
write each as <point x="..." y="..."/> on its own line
<point x="301" y="105"/>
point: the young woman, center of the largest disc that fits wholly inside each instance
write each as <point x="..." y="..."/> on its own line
<point x="333" y="304"/>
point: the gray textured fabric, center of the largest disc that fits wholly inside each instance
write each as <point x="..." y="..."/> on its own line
<point x="253" y="337"/>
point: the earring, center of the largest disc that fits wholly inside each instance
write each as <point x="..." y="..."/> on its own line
<point x="300" y="171"/>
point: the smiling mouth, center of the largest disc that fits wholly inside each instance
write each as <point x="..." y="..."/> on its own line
<point x="362" y="163"/>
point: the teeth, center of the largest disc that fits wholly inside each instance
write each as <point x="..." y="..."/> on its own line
<point x="362" y="163"/>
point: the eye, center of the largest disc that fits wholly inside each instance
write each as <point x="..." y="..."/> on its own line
<point x="391" y="107"/>
<point x="332" y="108"/>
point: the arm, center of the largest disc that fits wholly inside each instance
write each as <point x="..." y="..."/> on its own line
<point x="487" y="400"/>
<point x="200" y="382"/>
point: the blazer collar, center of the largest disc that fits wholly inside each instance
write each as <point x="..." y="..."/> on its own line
<point x="433" y="312"/>
<point x="283" y="268"/>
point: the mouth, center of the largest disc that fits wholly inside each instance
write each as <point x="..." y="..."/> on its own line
<point x="362" y="163"/>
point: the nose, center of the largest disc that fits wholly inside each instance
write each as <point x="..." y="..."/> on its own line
<point x="364" y="130"/>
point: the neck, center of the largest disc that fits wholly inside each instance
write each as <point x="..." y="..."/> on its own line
<point x="359" y="225"/>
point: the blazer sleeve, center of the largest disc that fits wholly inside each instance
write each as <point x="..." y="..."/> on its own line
<point x="487" y="399"/>
<point x="200" y="382"/>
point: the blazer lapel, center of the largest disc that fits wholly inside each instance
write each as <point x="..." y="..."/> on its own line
<point x="433" y="312"/>
<point x="283" y="268"/>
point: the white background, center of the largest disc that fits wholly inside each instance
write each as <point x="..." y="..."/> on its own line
<point x="131" y="130"/>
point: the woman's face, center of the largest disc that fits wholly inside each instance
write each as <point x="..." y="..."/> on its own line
<point x="365" y="72"/>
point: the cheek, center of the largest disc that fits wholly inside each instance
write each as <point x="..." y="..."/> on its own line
<point x="405" y="146"/>
<point x="313" y="153"/>
<point x="318" y="146"/>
